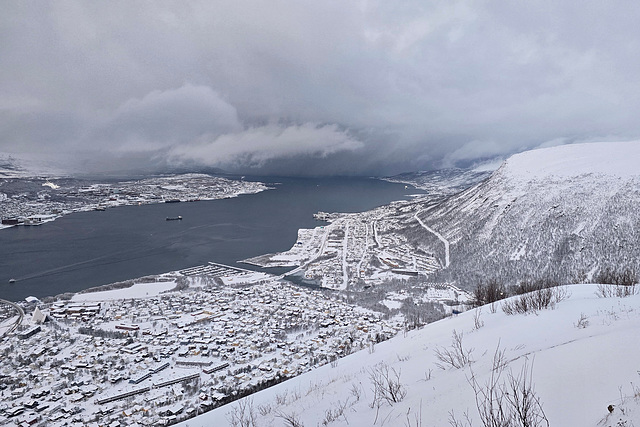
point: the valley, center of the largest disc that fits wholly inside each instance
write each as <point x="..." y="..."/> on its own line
<point x="371" y="296"/>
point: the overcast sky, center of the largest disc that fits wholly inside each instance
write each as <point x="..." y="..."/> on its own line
<point x="313" y="87"/>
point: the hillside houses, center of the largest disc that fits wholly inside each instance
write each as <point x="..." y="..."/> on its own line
<point x="369" y="247"/>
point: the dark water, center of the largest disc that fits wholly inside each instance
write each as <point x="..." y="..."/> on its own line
<point x="88" y="249"/>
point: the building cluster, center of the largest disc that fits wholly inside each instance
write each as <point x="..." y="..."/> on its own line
<point x="38" y="200"/>
<point x="160" y="359"/>
<point x="366" y="247"/>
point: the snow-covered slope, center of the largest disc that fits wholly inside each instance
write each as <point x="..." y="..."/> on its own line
<point x="443" y="182"/>
<point x="579" y="367"/>
<point x="619" y="159"/>
<point x="563" y="213"/>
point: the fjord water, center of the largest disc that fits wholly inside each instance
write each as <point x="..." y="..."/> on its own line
<point x="88" y="249"/>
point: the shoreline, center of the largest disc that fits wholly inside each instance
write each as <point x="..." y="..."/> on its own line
<point x="261" y="262"/>
<point x="133" y="203"/>
<point x="100" y="196"/>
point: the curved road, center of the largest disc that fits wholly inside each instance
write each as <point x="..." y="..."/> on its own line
<point x="20" y="316"/>
<point x="439" y="236"/>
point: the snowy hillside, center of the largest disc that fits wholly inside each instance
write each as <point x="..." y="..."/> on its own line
<point x="443" y="182"/>
<point x="563" y="213"/>
<point x="618" y="159"/>
<point x="580" y="356"/>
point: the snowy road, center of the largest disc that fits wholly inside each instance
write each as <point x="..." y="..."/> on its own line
<point x="439" y="236"/>
<point x="345" y="274"/>
<point x="18" y="320"/>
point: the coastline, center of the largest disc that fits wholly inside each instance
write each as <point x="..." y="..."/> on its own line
<point x="172" y="185"/>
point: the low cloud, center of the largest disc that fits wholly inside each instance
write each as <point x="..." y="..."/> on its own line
<point x="193" y="127"/>
<point x="371" y="87"/>
<point x="254" y="147"/>
<point x="164" y="119"/>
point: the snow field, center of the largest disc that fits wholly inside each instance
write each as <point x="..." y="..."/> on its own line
<point x="138" y="290"/>
<point x="606" y="158"/>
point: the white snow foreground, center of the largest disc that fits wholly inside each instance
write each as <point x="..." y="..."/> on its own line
<point x="579" y="368"/>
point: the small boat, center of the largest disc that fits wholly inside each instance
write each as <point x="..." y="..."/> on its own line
<point x="174" y="218"/>
<point x="12" y="280"/>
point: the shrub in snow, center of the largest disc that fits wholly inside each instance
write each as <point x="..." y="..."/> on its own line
<point x="510" y="403"/>
<point x="607" y="276"/>
<point x="487" y="293"/>
<point x="477" y="322"/>
<point x="454" y="357"/>
<point x="243" y="414"/>
<point x="290" y="420"/>
<point x="331" y="415"/>
<point x="582" y="322"/>
<point x="527" y="286"/>
<point x="616" y="291"/>
<point x="386" y="385"/>
<point x="534" y="301"/>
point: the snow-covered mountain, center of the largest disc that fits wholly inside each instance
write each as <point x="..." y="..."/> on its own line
<point x="561" y="213"/>
<point x="580" y="357"/>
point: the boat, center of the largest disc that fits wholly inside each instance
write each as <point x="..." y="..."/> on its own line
<point x="12" y="280"/>
<point x="174" y="218"/>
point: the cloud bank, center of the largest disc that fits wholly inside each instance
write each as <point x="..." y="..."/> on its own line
<point x="363" y="87"/>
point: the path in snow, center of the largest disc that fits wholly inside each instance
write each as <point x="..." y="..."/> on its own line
<point x="439" y="236"/>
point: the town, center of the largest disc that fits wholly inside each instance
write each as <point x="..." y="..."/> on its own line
<point x="175" y="345"/>
<point x="182" y="351"/>
<point x="34" y="201"/>
<point x="360" y="249"/>
<point x="161" y="349"/>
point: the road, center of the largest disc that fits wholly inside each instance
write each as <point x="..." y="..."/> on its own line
<point x="439" y="236"/>
<point x="20" y="316"/>
<point x="312" y="259"/>
<point x="345" y="275"/>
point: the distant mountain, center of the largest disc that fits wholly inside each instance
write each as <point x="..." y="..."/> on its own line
<point x="564" y="213"/>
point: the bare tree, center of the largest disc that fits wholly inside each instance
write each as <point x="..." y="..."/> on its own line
<point x="243" y="414"/>
<point x="510" y="403"/>
<point x="386" y="386"/>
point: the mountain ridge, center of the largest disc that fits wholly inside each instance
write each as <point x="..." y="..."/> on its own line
<point x="544" y="215"/>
